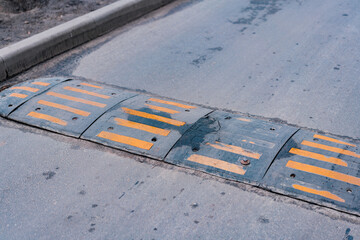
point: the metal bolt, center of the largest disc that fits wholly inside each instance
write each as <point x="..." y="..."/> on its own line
<point x="245" y="162"/>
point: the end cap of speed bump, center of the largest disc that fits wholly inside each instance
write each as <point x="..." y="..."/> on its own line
<point x="145" y="125"/>
<point x="69" y="107"/>
<point x="13" y="97"/>
<point x="231" y="146"/>
<point x="319" y="168"/>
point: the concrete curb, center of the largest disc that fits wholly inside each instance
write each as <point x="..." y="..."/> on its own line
<point x="40" y="47"/>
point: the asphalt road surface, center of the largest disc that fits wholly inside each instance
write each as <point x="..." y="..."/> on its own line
<point x="297" y="61"/>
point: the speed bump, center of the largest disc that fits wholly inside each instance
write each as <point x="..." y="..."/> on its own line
<point x="319" y="168"/>
<point x="13" y="97"/>
<point x="145" y="125"/>
<point x="306" y="165"/>
<point x="231" y="146"/>
<point x="69" y="107"/>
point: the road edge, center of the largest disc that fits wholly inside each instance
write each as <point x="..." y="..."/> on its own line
<point x="31" y="51"/>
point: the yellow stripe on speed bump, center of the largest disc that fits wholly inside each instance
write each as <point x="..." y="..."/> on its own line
<point x="91" y="85"/>
<point x="41" y="83"/>
<point x="47" y="118"/>
<point x="87" y="92"/>
<point x="29" y="89"/>
<point x="171" y="103"/>
<point x="18" y="95"/>
<point x="331" y="149"/>
<point x="65" y="108"/>
<point x="153" y="116"/>
<point x="323" y="172"/>
<point x="235" y="149"/>
<point x="333" y="140"/>
<point x="244" y="119"/>
<point x="125" y="140"/>
<point x="325" y="194"/>
<point x="161" y="109"/>
<point x="216" y="163"/>
<point x="318" y="156"/>
<point x="143" y="127"/>
<point x="80" y="100"/>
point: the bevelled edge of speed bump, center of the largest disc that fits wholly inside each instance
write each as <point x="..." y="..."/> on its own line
<point x="318" y="168"/>
<point x="231" y="146"/>
<point x="145" y="125"/>
<point x="11" y="98"/>
<point x="70" y="107"/>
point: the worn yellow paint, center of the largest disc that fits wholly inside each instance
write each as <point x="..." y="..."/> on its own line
<point x="216" y="163"/>
<point x="246" y="141"/>
<point x="65" y="108"/>
<point x="333" y="140"/>
<point x="91" y="85"/>
<point x="235" y="149"/>
<point x="29" y="89"/>
<point x="325" y="194"/>
<point x="47" y="118"/>
<point x="318" y="156"/>
<point x="41" y="83"/>
<point x="125" y="140"/>
<point x="244" y="119"/>
<point x="161" y="109"/>
<point x="87" y="92"/>
<point x="323" y="172"/>
<point x="331" y="149"/>
<point x="80" y="100"/>
<point x="171" y="103"/>
<point x="143" y="127"/>
<point x="154" y="117"/>
<point x="18" y="95"/>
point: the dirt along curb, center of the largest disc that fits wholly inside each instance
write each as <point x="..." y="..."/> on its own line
<point x="45" y="45"/>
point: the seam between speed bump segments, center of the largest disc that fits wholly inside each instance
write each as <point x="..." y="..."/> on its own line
<point x="69" y="107"/>
<point x="300" y="163"/>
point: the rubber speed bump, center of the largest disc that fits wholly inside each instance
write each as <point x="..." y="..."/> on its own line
<point x="13" y="97"/>
<point x="145" y="125"/>
<point x="69" y="107"/>
<point x="318" y="168"/>
<point x="231" y="146"/>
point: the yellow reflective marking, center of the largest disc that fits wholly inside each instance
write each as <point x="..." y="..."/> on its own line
<point x="143" y="127"/>
<point x="333" y="140"/>
<point x="18" y="95"/>
<point x="86" y="92"/>
<point x="171" y="103"/>
<point x="29" y="89"/>
<point x="325" y="194"/>
<point x="323" y="172"/>
<point x="154" y="117"/>
<point x="331" y="149"/>
<point x="47" y="118"/>
<point x="216" y="163"/>
<point x="318" y="156"/>
<point x="91" y="85"/>
<point x="80" y="100"/>
<point x="244" y="119"/>
<point x="65" y="108"/>
<point x="41" y="83"/>
<point x="125" y="140"/>
<point x="162" y="109"/>
<point x="235" y="149"/>
<point x="246" y="141"/>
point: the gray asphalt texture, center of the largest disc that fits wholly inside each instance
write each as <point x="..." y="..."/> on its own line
<point x="55" y="187"/>
<point x="297" y="61"/>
